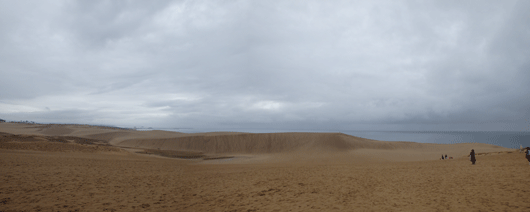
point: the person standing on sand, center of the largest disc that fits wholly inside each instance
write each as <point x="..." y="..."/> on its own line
<point x="472" y="154"/>
<point x="442" y="157"/>
<point x="445" y="156"/>
<point x="527" y="151"/>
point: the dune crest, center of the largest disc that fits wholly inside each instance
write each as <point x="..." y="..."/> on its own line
<point x="294" y="143"/>
<point x="267" y="143"/>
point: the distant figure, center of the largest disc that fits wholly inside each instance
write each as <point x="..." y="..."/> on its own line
<point x="472" y="155"/>
<point x="528" y="154"/>
<point x="442" y="157"/>
<point x="445" y="156"/>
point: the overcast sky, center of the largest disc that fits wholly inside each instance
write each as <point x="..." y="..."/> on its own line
<point x="302" y="65"/>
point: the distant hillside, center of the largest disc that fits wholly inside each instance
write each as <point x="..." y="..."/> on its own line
<point x="264" y="143"/>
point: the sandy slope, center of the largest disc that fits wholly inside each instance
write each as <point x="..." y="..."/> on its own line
<point x="58" y="181"/>
<point x="229" y="143"/>
<point x="73" y="168"/>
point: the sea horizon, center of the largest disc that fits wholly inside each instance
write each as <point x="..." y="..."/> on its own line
<point x="508" y="139"/>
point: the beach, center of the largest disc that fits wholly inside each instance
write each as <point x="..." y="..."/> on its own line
<point x="86" y="168"/>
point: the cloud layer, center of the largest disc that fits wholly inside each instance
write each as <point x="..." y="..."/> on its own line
<point x="320" y="65"/>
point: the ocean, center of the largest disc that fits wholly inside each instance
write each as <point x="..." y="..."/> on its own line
<point x="500" y="138"/>
<point x="508" y="139"/>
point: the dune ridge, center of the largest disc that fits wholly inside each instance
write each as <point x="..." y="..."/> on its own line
<point x="83" y="168"/>
<point x="295" y="143"/>
<point x="288" y="142"/>
<point x="263" y="143"/>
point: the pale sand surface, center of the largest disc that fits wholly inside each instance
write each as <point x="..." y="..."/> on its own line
<point x="76" y="168"/>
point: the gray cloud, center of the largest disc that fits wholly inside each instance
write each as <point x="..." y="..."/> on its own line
<point x="332" y="65"/>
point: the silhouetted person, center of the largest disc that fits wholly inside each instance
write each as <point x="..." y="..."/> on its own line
<point x="527" y="151"/>
<point x="472" y="154"/>
<point x="442" y="157"/>
<point x="445" y="156"/>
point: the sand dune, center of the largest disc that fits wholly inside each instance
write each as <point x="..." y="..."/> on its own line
<point x="266" y="143"/>
<point x="81" y="168"/>
<point x="54" y="143"/>
<point x="297" y="145"/>
<point x="73" y="181"/>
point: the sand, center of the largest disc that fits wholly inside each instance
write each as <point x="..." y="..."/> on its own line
<point x="84" y="168"/>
